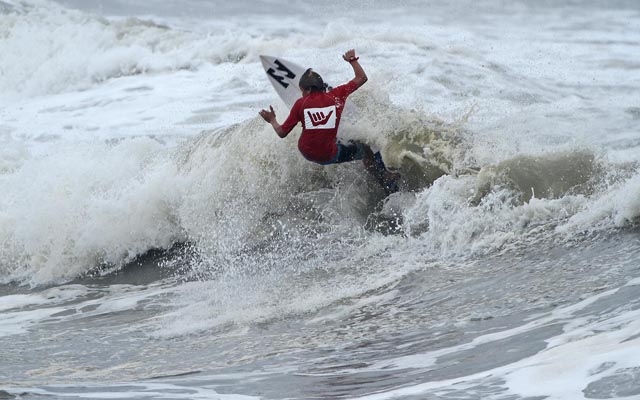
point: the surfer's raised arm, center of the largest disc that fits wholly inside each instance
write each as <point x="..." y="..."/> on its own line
<point x="361" y="76"/>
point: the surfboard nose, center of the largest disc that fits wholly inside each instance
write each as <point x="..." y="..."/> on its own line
<point x="284" y="75"/>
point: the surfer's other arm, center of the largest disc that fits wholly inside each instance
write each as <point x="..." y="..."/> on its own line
<point x="361" y="76"/>
<point x="270" y="117"/>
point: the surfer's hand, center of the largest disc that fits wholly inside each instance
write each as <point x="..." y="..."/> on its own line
<point x="360" y="77"/>
<point x="268" y="116"/>
<point x="349" y="55"/>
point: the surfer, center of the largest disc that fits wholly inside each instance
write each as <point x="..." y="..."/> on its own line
<point x="320" y="110"/>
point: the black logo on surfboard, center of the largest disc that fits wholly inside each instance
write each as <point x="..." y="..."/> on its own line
<point x="281" y="78"/>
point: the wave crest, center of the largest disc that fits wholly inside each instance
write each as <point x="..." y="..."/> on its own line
<point x="48" y="49"/>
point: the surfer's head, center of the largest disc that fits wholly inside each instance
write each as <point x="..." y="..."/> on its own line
<point x="312" y="81"/>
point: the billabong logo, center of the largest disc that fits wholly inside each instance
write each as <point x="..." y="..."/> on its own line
<point x="320" y="118"/>
<point x="279" y="78"/>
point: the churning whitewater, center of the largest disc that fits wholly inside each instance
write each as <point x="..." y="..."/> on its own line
<point x="158" y="240"/>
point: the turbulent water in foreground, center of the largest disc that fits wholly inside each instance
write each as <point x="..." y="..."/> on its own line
<point x="159" y="241"/>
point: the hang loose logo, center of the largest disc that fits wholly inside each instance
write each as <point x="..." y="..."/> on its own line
<point x="320" y="118"/>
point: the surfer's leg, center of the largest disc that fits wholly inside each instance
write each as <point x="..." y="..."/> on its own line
<point x="350" y="152"/>
<point x="375" y="166"/>
<point x="372" y="162"/>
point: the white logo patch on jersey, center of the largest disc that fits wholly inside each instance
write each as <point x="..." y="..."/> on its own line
<point x="320" y="118"/>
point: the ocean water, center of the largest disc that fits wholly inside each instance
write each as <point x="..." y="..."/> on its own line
<point x="159" y="241"/>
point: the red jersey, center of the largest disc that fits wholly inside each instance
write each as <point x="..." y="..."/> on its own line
<point x="320" y="115"/>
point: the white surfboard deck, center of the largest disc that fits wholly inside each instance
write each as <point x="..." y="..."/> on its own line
<point x="284" y="75"/>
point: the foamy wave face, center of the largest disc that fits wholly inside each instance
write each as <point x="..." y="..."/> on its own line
<point x="85" y="205"/>
<point x="446" y="220"/>
<point x="95" y="203"/>
<point x="523" y="199"/>
<point x="246" y="201"/>
<point x="99" y="204"/>
<point x="12" y="152"/>
<point x="48" y="49"/>
<point x="619" y="206"/>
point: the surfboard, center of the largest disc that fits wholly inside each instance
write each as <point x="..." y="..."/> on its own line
<point x="284" y="75"/>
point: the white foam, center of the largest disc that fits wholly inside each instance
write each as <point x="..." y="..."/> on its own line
<point x="135" y="391"/>
<point x="144" y="79"/>
<point x="457" y="227"/>
<point x="567" y="365"/>
<point x="618" y="206"/>
<point x="239" y="298"/>
<point x="100" y="210"/>
<point x="610" y="342"/>
<point x="39" y="307"/>
<point x="102" y="49"/>
<point x="20" y="314"/>
<point x="16" y="323"/>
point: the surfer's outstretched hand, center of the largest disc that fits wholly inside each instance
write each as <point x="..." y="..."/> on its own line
<point x="268" y="115"/>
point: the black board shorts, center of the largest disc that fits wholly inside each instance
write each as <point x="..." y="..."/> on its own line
<point x="347" y="152"/>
